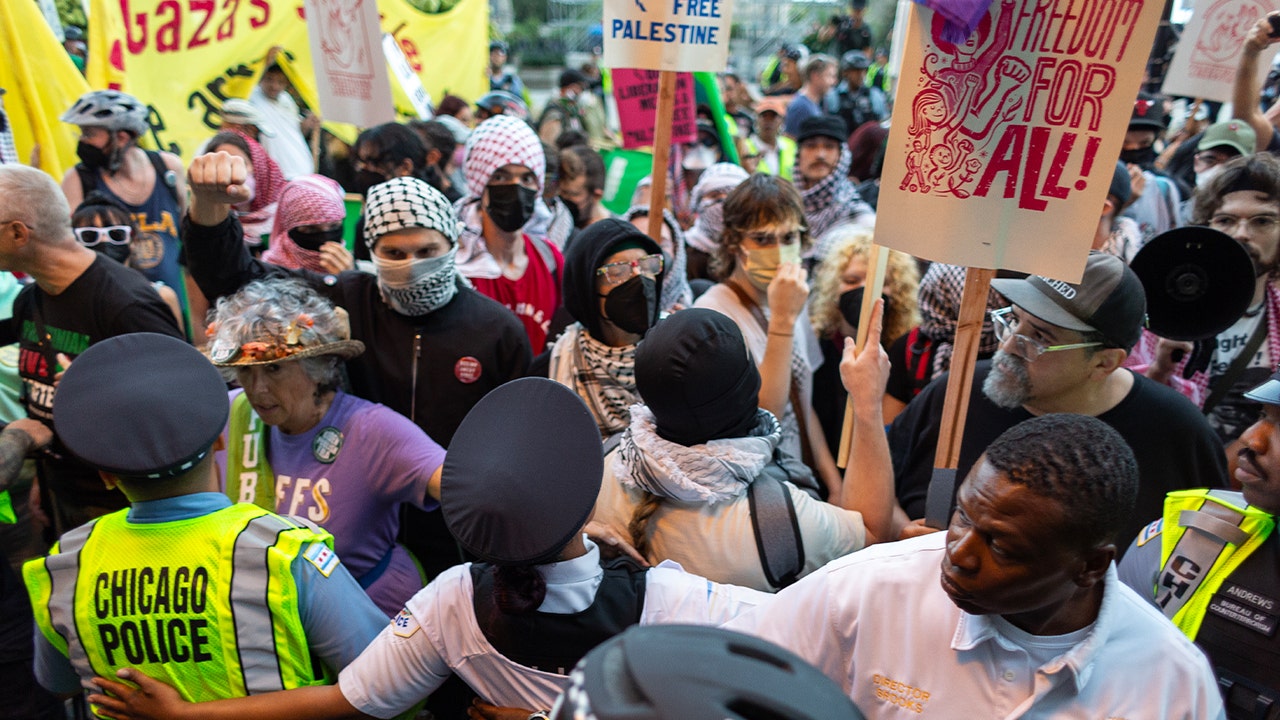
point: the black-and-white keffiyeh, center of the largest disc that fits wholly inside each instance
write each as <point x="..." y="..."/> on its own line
<point x="710" y="473"/>
<point x="603" y="376"/>
<point x="940" y="292"/>
<point x="417" y="286"/>
<point x="407" y="202"/>
<point x="833" y="200"/>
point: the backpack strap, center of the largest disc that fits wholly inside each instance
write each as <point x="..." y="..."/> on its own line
<point x="548" y="257"/>
<point x="777" y="531"/>
<point x="611" y="443"/>
<point x="164" y="175"/>
<point x="88" y="180"/>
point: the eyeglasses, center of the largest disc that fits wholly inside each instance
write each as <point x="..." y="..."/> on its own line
<point x="619" y="272"/>
<point x="1024" y="347"/>
<point x="114" y="234"/>
<point x="765" y="240"/>
<point x="1259" y="224"/>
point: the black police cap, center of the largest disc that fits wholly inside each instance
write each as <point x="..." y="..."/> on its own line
<point x="141" y="405"/>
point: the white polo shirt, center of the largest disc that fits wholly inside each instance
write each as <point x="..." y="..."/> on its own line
<point x="437" y="635"/>
<point x="879" y="623"/>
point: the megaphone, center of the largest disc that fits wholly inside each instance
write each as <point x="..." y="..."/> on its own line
<point x="1198" y="281"/>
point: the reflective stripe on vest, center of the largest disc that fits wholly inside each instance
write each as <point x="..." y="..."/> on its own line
<point x="45" y="578"/>
<point x="208" y="604"/>
<point x="1207" y="535"/>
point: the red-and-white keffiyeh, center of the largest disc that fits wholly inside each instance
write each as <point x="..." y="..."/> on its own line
<point x="306" y="200"/>
<point x="257" y="216"/>
<point x="499" y="141"/>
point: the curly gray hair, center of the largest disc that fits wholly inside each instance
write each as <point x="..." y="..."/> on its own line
<point x="264" y="311"/>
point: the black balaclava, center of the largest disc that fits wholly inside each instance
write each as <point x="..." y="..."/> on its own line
<point x="694" y="373"/>
<point x="587" y="252"/>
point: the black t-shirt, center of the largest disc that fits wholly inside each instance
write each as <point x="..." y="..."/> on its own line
<point x="107" y="299"/>
<point x="1174" y="445"/>
<point x="849" y="37"/>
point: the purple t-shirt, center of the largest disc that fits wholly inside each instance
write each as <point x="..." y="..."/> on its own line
<point x="349" y="474"/>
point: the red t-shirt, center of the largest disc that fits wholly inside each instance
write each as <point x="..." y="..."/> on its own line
<point x="534" y="298"/>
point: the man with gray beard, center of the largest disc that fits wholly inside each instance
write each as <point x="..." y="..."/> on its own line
<point x="1062" y="347"/>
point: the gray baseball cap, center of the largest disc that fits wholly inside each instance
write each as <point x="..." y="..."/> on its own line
<point x="1109" y="300"/>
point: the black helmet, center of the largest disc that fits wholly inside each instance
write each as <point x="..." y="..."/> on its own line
<point x="499" y="45"/>
<point x="501" y="102"/>
<point x="854" y="60"/>
<point x="686" y="672"/>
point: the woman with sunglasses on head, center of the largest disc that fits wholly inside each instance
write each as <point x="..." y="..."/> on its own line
<point x="106" y="227"/>
<point x="763" y="289"/>
<point x="613" y="278"/>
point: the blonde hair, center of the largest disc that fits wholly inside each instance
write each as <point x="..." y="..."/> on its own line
<point x="901" y="285"/>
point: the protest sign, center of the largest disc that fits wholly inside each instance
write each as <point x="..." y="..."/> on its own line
<point x="636" y="92"/>
<point x="346" y="51"/>
<point x="1006" y="143"/>
<point x="220" y="48"/>
<point x="408" y="82"/>
<point x="682" y="35"/>
<point x="1204" y="65"/>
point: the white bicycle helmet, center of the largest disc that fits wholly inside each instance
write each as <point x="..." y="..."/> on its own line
<point x="110" y="109"/>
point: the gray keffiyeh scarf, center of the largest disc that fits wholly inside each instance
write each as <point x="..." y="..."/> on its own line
<point x="710" y="473"/>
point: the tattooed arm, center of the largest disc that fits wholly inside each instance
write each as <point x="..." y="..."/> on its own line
<point x="16" y="440"/>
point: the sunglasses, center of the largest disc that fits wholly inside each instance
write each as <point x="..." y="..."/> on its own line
<point x="114" y="234"/>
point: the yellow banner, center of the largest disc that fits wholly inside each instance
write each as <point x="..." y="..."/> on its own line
<point x="40" y="83"/>
<point x="184" y="58"/>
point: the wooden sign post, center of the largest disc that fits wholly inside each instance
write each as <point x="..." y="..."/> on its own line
<point x="661" y="152"/>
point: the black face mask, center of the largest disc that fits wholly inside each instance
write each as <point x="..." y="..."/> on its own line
<point x="366" y="179"/>
<point x="313" y="239"/>
<point x="575" y="212"/>
<point x="633" y="305"/>
<point x="93" y="157"/>
<point x="851" y="305"/>
<point x="119" y="253"/>
<point x="1144" y="158"/>
<point x="510" y="206"/>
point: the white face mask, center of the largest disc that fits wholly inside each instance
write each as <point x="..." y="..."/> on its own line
<point x="1203" y="178"/>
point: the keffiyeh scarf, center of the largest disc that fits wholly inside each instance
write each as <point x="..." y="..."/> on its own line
<point x="832" y="200"/>
<point x="603" y="376"/>
<point x="709" y="473"/>
<point x="307" y="200"/>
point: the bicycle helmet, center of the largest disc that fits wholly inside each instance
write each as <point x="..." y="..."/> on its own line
<point x="110" y="109"/>
<point x="686" y="672"/>
<point x="501" y="102"/>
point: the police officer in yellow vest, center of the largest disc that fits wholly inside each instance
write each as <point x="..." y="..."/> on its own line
<point x="220" y="600"/>
<point x="1212" y="566"/>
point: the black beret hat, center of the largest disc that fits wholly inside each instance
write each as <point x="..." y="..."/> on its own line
<point x="142" y="405"/>
<point x="522" y="473"/>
